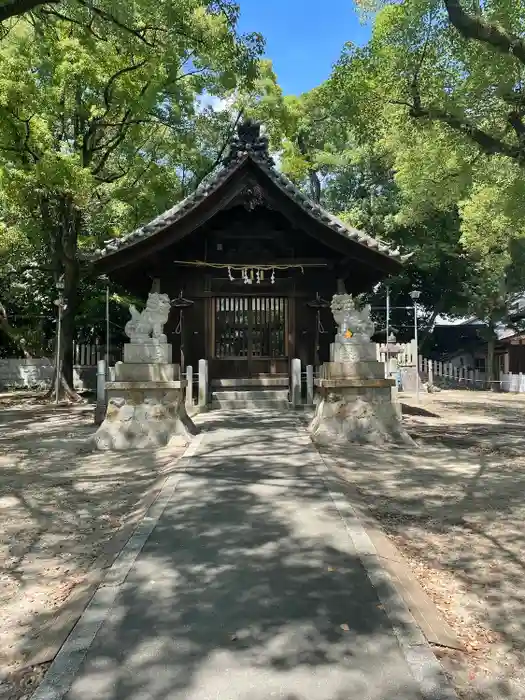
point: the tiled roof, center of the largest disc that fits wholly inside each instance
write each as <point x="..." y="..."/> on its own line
<point x="239" y="154"/>
<point x="168" y="217"/>
<point x="317" y="212"/>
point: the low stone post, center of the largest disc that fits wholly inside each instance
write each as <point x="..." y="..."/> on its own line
<point x="100" y="408"/>
<point x="189" y="386"/>
<point x="296" y="382"/>
<point x="395" y="401"/>
<point x="203" y="384"/>
<point x="309" y="385"/>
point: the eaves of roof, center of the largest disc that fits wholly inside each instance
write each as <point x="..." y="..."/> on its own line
<point x="214" y="182"/>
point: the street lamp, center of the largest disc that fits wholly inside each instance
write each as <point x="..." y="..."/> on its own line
<point x="414" y="295"/>
<point x="59" y="302"/>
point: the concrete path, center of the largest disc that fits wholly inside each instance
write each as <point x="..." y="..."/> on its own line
<point x="249" y="579"/>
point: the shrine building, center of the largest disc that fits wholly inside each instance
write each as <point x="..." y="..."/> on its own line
<point x="250" y="264"/>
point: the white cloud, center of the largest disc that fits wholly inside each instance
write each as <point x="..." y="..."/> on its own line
<point x="217" y="104"/>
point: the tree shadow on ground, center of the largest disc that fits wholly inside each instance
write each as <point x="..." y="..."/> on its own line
<point x="245" y="572"/>
<point x="456" y="504"/>
<point x="248" y="587"/>
<point x="59" y="506"/>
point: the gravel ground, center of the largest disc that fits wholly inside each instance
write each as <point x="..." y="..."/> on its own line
<point x="58" y="506"/>
<point x="455" y="506"/>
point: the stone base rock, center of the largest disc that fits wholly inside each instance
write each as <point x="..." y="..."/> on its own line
<point x="142" y="416"/>
<point x="361" y="414"/>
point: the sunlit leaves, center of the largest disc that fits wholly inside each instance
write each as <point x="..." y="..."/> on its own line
<point x="99" y="119"/>
<point x="441" y="108"/>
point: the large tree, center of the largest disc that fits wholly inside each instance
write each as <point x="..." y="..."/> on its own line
<point x="456" y="63"/>
<point x="437" y="92"/>
<point x="100" y="123"/>
<point x="299" y="126"/>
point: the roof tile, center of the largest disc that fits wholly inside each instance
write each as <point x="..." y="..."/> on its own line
<point x="215" y="180"/>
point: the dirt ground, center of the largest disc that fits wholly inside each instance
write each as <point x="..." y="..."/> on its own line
<point x="455" y="506"/>
<point x="58" y="506"/>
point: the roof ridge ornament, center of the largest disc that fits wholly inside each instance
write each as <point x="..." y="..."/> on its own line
<point x="249" y="139"/>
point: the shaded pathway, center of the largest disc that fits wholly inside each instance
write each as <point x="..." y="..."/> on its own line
<point x="244" y="583"/>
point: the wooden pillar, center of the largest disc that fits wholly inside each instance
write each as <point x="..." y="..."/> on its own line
<point x="291" y="329"/>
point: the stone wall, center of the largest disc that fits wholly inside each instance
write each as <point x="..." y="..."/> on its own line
<point x="38" y="372"/>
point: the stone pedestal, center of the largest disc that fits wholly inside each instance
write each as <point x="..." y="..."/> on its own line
<point x="153" y="352"/>
<point x="146" y="402"/>
<point x="355" y="400"/>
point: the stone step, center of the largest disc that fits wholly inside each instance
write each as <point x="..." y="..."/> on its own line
<point x="270" y="380"/>
<point x="251" y="394"/>
<point x="248" y="404"/>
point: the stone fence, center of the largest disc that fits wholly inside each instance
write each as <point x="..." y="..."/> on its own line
<point x="37" y="373"/>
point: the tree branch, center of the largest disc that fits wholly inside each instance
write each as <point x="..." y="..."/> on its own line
<point x="13" y="8"/>
<point x="88" y="149"/>
<point x="475" y="27"/>
<point x="114" y="143"/>
<point x="515" y="120"/>
<point x="23" y="144"/>
<point x="114" y="77"/>
<point x="59" y="15"/>
<point x="226" y="141"/>
<point x="111" y="18"/>
<point x="490" y="145"/>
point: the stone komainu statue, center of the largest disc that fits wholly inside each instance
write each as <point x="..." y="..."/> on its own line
<point x="150" y="321"/>
<point x="353" y="323"/>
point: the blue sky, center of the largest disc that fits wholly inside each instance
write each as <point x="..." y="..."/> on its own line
<point x="303" y="37"/>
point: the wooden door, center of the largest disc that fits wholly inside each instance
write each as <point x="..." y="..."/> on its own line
<point x="250" y="336"/>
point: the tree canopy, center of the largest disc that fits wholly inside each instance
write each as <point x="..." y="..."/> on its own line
<point x="417" y="137"/>
<point x="101" y="121"/>
<point x="438" y="93"/>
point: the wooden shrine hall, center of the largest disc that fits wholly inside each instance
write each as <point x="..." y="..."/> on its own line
<point x="250" y="264"/>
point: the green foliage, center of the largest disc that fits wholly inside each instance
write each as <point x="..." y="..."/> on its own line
<point x="439" y="98"/>
<point x="100" y="125"/>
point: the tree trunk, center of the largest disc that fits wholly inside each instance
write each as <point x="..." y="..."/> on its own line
<point x="63" y="222"/>
<point x="71" y="282"/>
<point x="426" y="334"/>
<point x="14" y="8"/>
